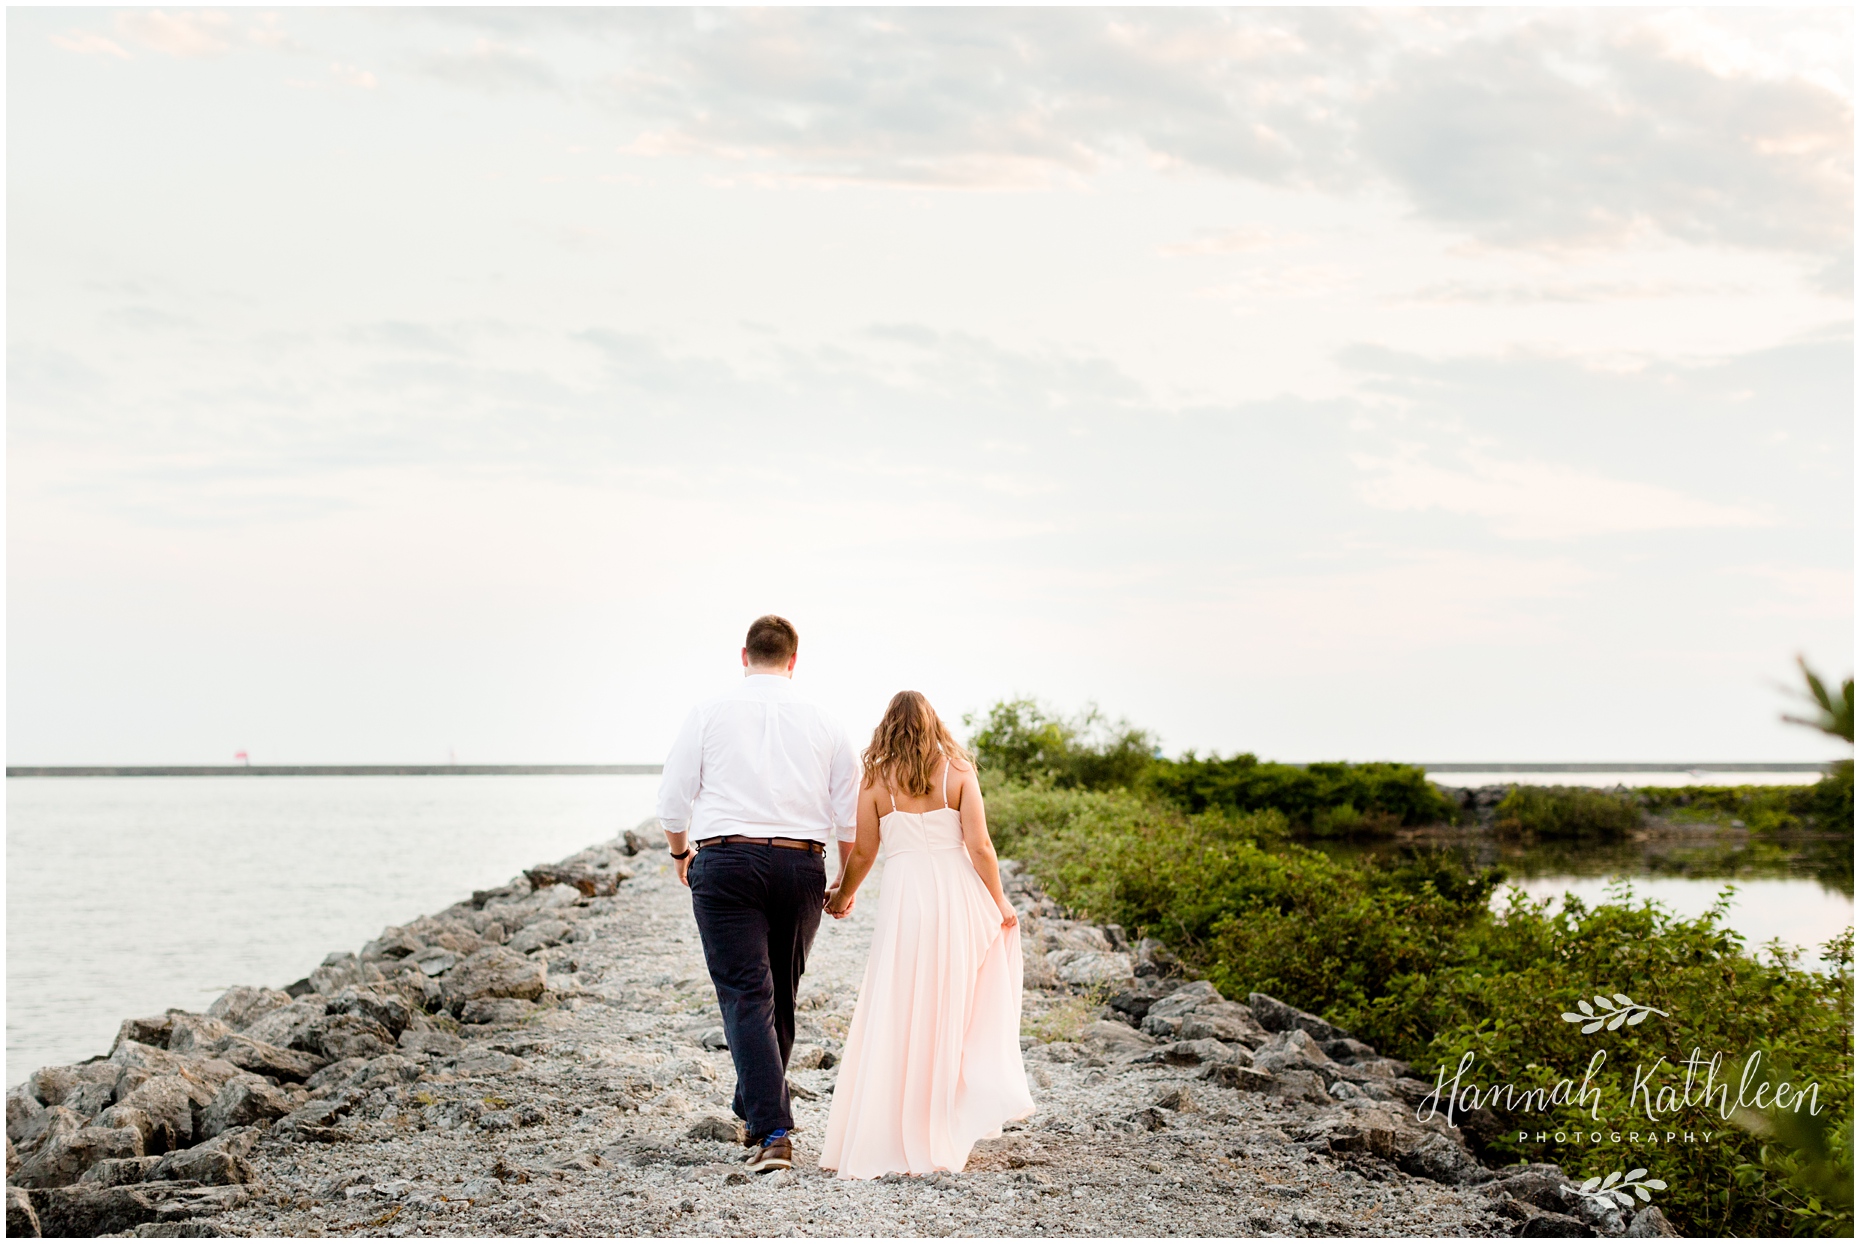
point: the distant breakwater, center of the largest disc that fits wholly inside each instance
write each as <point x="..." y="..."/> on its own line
<point x="13" y="771"/>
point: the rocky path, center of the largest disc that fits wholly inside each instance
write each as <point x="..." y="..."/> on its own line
<point x="540" y="1062"/>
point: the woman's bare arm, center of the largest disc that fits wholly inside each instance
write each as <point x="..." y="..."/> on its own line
<point x="857" y="862"/>
<point x="981" y="847"/>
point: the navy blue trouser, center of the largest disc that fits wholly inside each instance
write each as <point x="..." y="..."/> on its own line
<point x="757" y="910"/>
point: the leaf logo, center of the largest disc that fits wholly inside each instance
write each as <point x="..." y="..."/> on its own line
<point x="1615" y="1188"/>
<point x="1609" y="1013"/>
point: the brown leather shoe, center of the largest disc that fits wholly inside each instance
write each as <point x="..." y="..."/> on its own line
<point x="773" y="1155"/>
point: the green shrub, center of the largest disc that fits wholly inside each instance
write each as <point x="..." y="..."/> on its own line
<point x="1567" y="812"/>
<point x="1022" y="741"/>
<point x="1328" y="798"/>
<point x="1825" y="806"/>
<point x="1413" y="960"/>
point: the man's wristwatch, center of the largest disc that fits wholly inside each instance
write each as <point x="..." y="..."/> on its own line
<point x="680" y="855"/>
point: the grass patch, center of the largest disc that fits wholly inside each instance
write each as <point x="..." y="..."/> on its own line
<point x="1568" y="812"/>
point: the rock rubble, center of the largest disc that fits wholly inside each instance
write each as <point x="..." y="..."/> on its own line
<point x="546" y="1058"/>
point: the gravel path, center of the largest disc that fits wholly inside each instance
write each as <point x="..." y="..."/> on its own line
<point x="588" y="1117"/>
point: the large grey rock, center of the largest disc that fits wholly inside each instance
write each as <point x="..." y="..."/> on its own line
<point x="1112" y="1037"/>
<point x="135" y="1063"/>
<point x="284" y="1026"/>
<point x="1090" y="967"/>
<point x="89" y="1210"/>
<point x="430" y="1041"/>
<point x="1186" y="999"/>
<point x="21" y="1221"/>
<point x="1137" y="1000"/>
<point x="385" y="1009"/>
<point x="335" y="1075"/>
<point x="1438" y="1158"/>
<point x="1193" y="1054"/>
<point x="386" y="1071"/>
<point x="1651" y="1224"/>
<point x="49" y="1086"/>
<point x="538" y="935"/>
<point x="62" y="1160"/>
<point x="241" y="1005"/>
<point x="150" y="1030"/>
<point x="42" y="1128"/>
<point x="1539" y="1184"/>
<point x="1295" y="1050"/>
<point x="169" y="1102"/>
<point x="337" y="1037"/>
<point x="213" y="1167"/>
<point x="120" y="1115"/>
<point x="495" y="1011"/>
<point x="240" y="1103"/>
<point x="21" y="1106"/>
<point x="114" y="1172"/>
<point x="495" y="972"/>
<point x="196" y="1034"/>
<point x="262" y="1059"/>
<point x="1276" y="1016"/>
<point x="12" y="1158"/>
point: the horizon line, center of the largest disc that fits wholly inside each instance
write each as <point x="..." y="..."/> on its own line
<point x="544" y="770"/>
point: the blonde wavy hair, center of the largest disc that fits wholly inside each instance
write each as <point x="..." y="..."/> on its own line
<point x="909" y="744"/>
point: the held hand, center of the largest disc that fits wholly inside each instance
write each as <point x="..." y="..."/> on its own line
<point x="835" y="908"/>
<point x="1008" y="918"/>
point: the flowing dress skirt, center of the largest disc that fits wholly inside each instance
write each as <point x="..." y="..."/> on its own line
<point x="932" y="1063"/>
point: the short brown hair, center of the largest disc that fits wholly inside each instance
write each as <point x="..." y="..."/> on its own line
<point x="772" y="640"/>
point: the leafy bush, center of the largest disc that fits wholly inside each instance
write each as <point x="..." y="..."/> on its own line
<point x="1413" y="960"/>
<point x="1022" y="741"/>
<point x="1826" y="805"/>
<point x="1329" y="799"/>
<point x="1567" y="812"/>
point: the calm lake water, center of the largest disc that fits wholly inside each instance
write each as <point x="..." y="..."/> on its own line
<point x="126" y="896"/>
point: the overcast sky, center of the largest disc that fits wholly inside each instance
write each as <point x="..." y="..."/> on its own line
<point x="1440" y="385"/>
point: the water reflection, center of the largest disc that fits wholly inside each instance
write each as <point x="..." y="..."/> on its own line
<point x="1794" y="886"/>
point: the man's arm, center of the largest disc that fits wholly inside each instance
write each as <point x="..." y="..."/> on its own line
<point x="843" y="794"/>
<point x="678" y="788"/>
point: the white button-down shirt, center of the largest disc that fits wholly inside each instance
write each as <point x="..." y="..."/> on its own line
<point x="761" y="762"/>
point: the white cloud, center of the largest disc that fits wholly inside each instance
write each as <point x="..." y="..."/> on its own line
<point x="89" y="43"/>
<point x="1539" y="500"/>
<point x="177" y="34"/>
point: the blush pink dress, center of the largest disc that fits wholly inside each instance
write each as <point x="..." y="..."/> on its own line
<point x="932" y="1062"/>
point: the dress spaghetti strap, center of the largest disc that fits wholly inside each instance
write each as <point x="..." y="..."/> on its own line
<point x="946" y="781"/>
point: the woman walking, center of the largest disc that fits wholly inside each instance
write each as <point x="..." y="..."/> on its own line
<point x="932" y="1063"/>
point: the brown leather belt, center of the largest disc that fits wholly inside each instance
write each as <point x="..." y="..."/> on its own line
<point x="793" y="844"/>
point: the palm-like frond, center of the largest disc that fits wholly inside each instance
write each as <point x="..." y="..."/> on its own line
<point x="1835" y="715"/>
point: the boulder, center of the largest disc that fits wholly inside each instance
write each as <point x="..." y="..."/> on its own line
<point x="336" y="1074"/>
<point x="21" y="1221"/>
<point x="1186" y="999"/>
<point x="1276" y="1016"/>
<point x="495" y="972"/>
<point x="212" y="1167"/>
<point x="1236" y="1076"/>
<point x="1196" y="1027"/>
<point x="484" y="1011"/>
<point x="1136" y="1001"/>
<point x="268" y="1060"/>
<point x="135" y="1063"/>
<point x="12" y="1158"/>
<point x="49" y="1086"/>
<point x="429" y="1041"/>
<point x="337" y="1037"/>
<point x="393" y="944"/>
<point x="1164" y="1027"/>
<point x="240" y="1103"/>
<point x="131" y="1116"/>
<point x="384" y="1008"/>
<point x="152" y="1030"/>
<point x="1438" y="1158"/>
<point x="284" y="1026"/>
<point x="63" y="1159"/>
<point x="239" y="1006"/>
<point x="438" y="932"/>
<point x="809" y="1057"/>
<point x="1089" y="967"/>
<point x="1295" y="1050"/>
<point x="592" y="882"/>
<point x="1648" y="1224"/>
<point x="169" y="1102"/>
<point x="648" y="835"/>
<point x="21" y="1106"/>
<point x="1156" y="959"/>
<point x="93" y="1209"/>
<point x="1193" y="1054"/>
<point x="90" y="1097"/>
<point x="538" y="935"/>
<point x="386" y="1071"/>
<point x="1299" y="1086"/>
<point x="1539" y="1184"/>
<point x="1112" y="1037"/>
<point x="434" y="960"/>
<point x="42" y="1128"/>
<point x="197" y="1034"/>
<point x="114" y="1172"/>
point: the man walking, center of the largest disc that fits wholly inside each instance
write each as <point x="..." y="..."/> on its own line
<point x="756" y="783"/>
